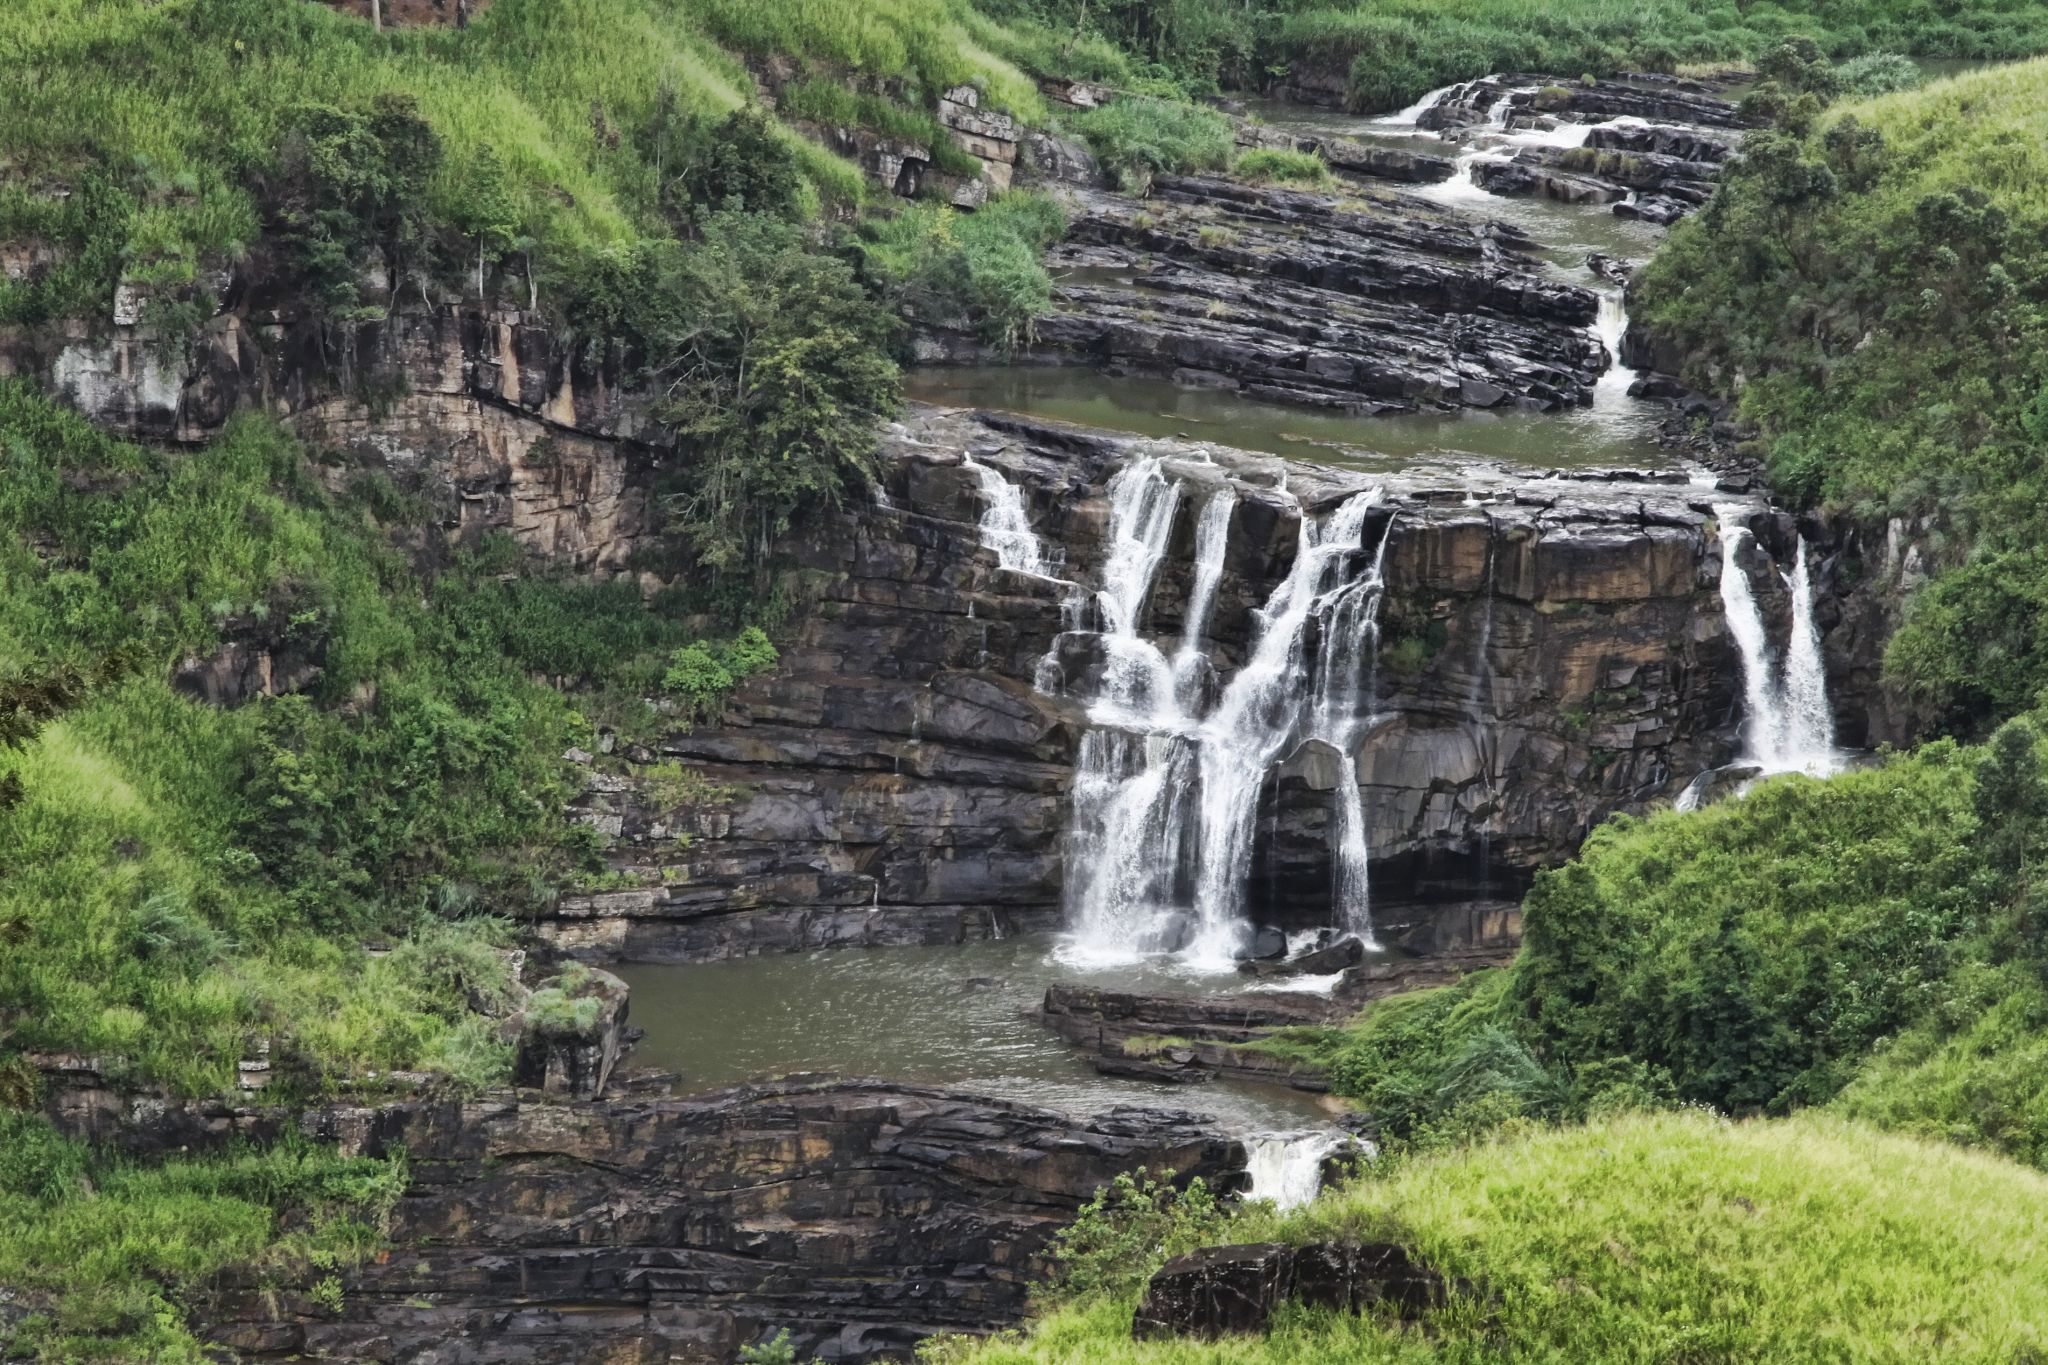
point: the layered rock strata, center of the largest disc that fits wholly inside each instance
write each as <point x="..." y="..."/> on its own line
<point x="1554" y="650"/>
<point x="859" y="1215"/>
<point x="1366" y="302"/>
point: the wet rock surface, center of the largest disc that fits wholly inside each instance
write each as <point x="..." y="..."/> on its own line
<point x="1221" y="1291"/>
<point x="1367" y="302"/>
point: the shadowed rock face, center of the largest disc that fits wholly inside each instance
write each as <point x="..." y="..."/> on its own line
<point x="860" y="1215"/>
<point x="900" y="778"/>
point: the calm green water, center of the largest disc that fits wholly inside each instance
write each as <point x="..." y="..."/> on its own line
<point x="955" y="1015"/>
<point x="1622" y="433"/>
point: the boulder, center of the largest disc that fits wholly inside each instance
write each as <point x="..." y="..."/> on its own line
<point x="1235" y="1290"/>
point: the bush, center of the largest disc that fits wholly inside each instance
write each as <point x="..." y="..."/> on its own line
<point x="985" y="268"/>
<point x="1268" y="167"/>
<point x="701" y="676"/>
<point x="1140" y="137"/>
<point x="1876" y="73"/>
<point x="1126" y="1232"/>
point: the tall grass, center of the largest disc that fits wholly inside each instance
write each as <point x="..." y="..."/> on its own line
<point x="1657" y="1238"/>
<point x="171" y="111"/>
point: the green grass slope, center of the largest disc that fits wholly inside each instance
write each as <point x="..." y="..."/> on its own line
<point x="166" y="119"/>
<point x="1657" y="1238"/>
<point x="1876" y="294"/>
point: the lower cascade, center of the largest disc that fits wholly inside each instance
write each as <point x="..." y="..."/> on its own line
<point x="1167" y="785"/>
<point x="1287" y="1168"/>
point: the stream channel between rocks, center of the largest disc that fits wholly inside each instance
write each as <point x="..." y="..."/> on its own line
<point x="962" y="1015"/>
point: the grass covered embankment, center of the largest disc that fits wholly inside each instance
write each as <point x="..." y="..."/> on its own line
<point x="1653" y="1237"/>
<point x="1387" y="52"/>
<point x="1873" y="289"/>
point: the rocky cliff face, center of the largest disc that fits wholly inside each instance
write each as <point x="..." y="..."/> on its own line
<point x="860" y="1215"/>
<point x="1555" y="651"/>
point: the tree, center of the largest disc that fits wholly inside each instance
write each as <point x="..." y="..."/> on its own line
<point x="776" y="389"/>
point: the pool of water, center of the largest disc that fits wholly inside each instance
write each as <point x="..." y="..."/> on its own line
<point x="1611" y="433"/>
<point x="955" y="1015"/>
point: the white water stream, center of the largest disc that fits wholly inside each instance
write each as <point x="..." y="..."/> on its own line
<point x="1788" y="725"/>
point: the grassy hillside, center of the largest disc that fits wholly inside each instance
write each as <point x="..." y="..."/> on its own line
<point x="1874" y="941"/>
<point x="1394" y="50"/>
<point x="1654" y="1238"/>
<point x="1875" y="292"/>
<point x="559" y="121"/>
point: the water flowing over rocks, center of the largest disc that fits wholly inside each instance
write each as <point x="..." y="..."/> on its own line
<point x="1555" y="649"/>
<point x="860" y="1215"/>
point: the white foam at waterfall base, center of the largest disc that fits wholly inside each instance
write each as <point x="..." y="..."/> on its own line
<point x="1787" y="724"/>
<point x="1287" y="1168"/>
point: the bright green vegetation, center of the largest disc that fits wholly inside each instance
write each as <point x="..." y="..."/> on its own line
<point x="1872" y="284"/>
<point x="983" y="270"/>
<point x="108" y="1254"/>
<point x="1137" y="138"/>
<point x="1646" y="1237"/>
<point x="1395" y="50"/>
<point x="1875" y="941"/>
<point x="1269" y="167"/>
<point x="173" y="120"/>
<point x="179" y="881"/>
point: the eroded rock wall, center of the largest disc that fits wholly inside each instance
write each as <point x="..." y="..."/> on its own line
<point x="860" y="1215"/>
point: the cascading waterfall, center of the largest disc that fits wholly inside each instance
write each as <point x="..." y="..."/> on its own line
<point x="1608" y="328"/>
<point x="1810" y="721"/>
<point x="1257" y="719"/>
<point x="1406" y="118"/>
<point x="1165" y="797"/>
<point x="1006" y="526"/>
<point x="1287" y="1168"/>
<point x="1789" y="725"/>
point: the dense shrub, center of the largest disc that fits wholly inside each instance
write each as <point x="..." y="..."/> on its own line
<point x="1270" y="167"/>
<point x="1137" y="138"/>
<point x="985" y="269"/>
<point x="1873" y="290"/>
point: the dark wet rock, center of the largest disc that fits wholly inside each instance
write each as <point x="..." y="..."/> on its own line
<point x="1678" y="143"/>
<point x="1659" y="209"/>
<point x="1366" y="305"/>
<point x="860" y="1215"/>
<point x="1531" y="177"/>
<point x="1267" y="944"/>
<point x="1233" y="1290"/>
<point x="1116" y="1027"/>
<point x="1347" y="951"/>
<point x="1609" y="268"/>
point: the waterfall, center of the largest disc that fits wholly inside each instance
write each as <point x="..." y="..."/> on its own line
<point x="1212" y="535"/>
<point x="1789" y="725"/>
<point x="1608" y="329"/>
<point x="1006" y="526"/>
<point x="1406" y="118"/>
<point x="1287" y="1168"/>
<point x="1165" y="798"/>
<point x="1255" y="721"/>
<point x="1809" y="720"/>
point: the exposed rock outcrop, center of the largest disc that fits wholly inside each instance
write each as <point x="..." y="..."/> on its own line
<point x="1220" y="1291"/>
<point x="1369" y="304"/>
<point x="860" y="1215"/>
